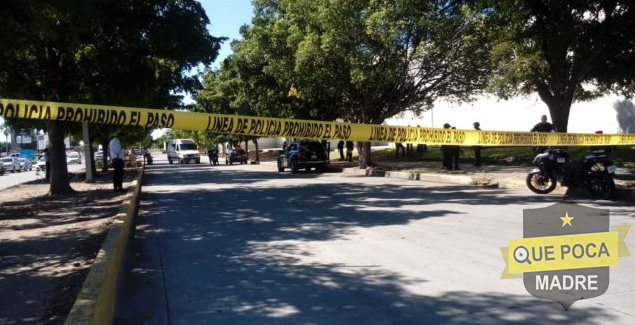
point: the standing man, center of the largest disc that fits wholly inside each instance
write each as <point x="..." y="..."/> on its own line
<point x="340" y="148"/>
<point x="445" y="150"/>
<point x="543" y="126"/>
<point x="399" y="146"/>
<point x="409" y="146"/>
<point x="477" y="149"/>
<point x="454" y="152"/>
<point x="47" y="161"/>
<point x="116" y="154"/>
<point x="349" y="150"/>
<point x="421" y="148"/>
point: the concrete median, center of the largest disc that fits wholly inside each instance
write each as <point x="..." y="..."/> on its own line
<point x="95" y="302"/>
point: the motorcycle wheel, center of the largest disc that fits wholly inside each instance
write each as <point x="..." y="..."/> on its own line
<point x="541" y="183"/>
<point x="601" y="186"/>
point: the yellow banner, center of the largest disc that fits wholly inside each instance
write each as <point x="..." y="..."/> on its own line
<point x="303" y="129"/>
<point x="564" y="252"/>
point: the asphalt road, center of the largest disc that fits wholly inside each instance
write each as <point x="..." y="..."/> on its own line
<point x="248" y="245"/>
<point x="10" y="179"/>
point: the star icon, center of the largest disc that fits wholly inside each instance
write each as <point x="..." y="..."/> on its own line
<point x="567" y="220"/>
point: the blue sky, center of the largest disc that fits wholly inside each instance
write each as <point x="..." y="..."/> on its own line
<point x="226" y="17"/>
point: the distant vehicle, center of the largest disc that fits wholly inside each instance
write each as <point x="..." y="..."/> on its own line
<point x="15" y="155"/>
<point x="11" y="164"/>
<point x="40" y="165"/>
<point x="138" y="152"/>
<point x="303" y="155"/>
<point x="25" y="164"/>
<point x="182" y="151"/>
<point x="236" y="155"/>
<point x="74" y="157"/>
<point x="99" y="155"/>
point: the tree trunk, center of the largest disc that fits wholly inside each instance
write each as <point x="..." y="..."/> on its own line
<point x="559" y="103"/>
<point x="363" y="148"/>
<point x="104" y="149"/>
<point x="257" y="150"/>
<point x="92" y="161"/>
<point x="60" y="182"/>
<point x="560" y="116"/>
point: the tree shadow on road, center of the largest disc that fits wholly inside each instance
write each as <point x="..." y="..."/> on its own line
<point x="231" y="255"/>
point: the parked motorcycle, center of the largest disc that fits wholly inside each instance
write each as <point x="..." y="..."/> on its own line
<point x="593" y="172"/>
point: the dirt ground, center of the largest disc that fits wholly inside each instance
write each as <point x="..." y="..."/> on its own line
<point x="47" y="245"/>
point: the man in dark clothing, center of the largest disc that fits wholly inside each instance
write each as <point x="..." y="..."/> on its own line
<point x="421" y="148"/>
<point x="477" y="149"/>
<point x="399" y="146"/>
<point x="445" y="150"/>
<point x="543" y="126"/>
<point x="454" y="153"/>
<point x="349" y="150"/>
<point x="212" y="153"/>
<point x="340" y="148"/>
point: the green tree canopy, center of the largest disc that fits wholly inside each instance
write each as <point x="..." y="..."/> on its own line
<point x="368" y="60"/>
<point x="128" y="52"/>
<point x="563" y="50"/>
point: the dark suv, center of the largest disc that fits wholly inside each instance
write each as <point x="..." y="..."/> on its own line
<point x="303" y="155"/>
<point x="236" y="155"/>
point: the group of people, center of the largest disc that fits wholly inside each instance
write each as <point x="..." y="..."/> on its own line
<point x="451" y="153"/>
<point x="349" y="150"/>
<point x="408" y="149"/>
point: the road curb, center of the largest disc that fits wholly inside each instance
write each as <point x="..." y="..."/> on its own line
<point x="452" y="179"/>
<point x="95" y="303"/>
<point x="625" y="194"/>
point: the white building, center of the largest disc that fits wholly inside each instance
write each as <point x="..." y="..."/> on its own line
<point x="611" y="114"/>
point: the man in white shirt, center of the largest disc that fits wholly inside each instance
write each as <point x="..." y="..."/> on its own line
<point x="116" y="154"/>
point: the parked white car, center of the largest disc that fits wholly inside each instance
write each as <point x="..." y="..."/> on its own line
<point x="25" y="164"/>
<point x="11" y="164"/>
<point x="73" y="157"/>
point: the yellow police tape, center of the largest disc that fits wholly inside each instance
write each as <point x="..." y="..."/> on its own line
<point x="305" y="129"/>
<point x="565" y="252"/>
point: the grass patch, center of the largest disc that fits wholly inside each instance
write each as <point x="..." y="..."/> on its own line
<point x="507" y="156"/>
